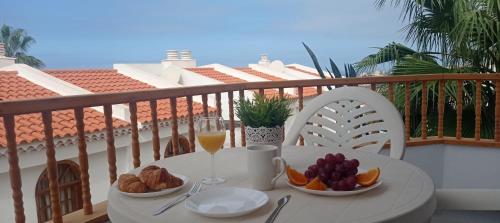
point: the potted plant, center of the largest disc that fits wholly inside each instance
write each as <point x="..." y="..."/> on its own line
<point x="264" y="119"/>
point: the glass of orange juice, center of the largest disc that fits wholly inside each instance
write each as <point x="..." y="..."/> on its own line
<point x="211" y="135"/>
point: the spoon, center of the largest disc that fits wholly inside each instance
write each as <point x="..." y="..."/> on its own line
<point x="281" y="203"/>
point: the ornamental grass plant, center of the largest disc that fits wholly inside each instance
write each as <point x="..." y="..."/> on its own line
<point x="264" y="111"/>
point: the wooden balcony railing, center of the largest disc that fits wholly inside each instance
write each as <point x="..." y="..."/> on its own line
<point x="389" y="86"/>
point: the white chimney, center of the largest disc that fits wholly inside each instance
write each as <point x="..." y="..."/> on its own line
<point x="5" y="61"/>
<point x="172" y="55"/>
<point x="264" y="60"/>
<point x="186" y="55"/>
<point x="185" y="60"/>
<point x="2" y="49"/>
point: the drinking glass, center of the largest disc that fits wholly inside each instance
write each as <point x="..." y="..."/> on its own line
<point x="211" y="135"/>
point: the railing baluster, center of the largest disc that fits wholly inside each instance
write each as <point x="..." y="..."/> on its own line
<point x="458" y="133"/>
<point x="83" y="160"/>
<point x="242" y="126"/>
<point x="204" y="99"/>
<point x="231" y="118"/>
<point x="191" y="123"/>
<point x="14" y="170"/>
<point x="156" y="135"/>
<point x="218" y="104"/>
<point x="423" y="123"/>
<point x="110" y="142"/>
<point x="281" y="92"/>
<point x="407" y="110"/>
<point x="301" y="105"/>
<point x="175" y="126"/>
<point x="477" y="130"/>
<point x="497" y="111"/>
<point x="390" y="92"/>
<point x="319" y="89"/>
<point x="440" y="108"/>
<point x="136" y="149"/>
<point x="373" y="87"/>
<point x="52" y="168"/>
<point x="261" y="91"/>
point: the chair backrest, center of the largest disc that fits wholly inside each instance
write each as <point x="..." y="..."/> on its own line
<point x="350" y="117"/>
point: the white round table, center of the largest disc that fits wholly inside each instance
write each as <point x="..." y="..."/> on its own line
<point x="406" y="195"/>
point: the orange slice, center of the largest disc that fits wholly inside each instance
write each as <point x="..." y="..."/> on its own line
<point x="368" y="178"/>
<point x="316" y="184"/>
<point x="295" y="177"/>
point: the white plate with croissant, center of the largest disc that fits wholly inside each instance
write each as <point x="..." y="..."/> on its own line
<point x="152" y="181"/>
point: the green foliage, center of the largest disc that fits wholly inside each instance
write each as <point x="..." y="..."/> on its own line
<point x="349" y="70"/>
<point x="451" y="36"/>
<point x="392" y="54"/>
<point x="17" y="42"/>
<point x="263" y="112"/>
<point x="464" y="32"/>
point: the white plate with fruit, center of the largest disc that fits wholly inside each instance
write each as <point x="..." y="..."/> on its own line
<point x="334" y="175"/>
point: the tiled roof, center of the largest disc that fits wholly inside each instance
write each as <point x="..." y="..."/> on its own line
<point x="259" y="74"/>
<point x="303" y="71"/>
<point x="308" y="91"/>
<point x="228" y="79"/>
<point x="101" y="81"/>
<point x="216" y="75"/>
<point x="29" y="127"/>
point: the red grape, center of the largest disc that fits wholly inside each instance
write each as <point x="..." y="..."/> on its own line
<point x="330" y="158"/>
<point x="320" y="162"/>
<point x="339" y="157"/>
<point x="314" y="169"/>
<point x="351" y="180"/>
<point x="323" y="176"/>
<point x="335" y="176"/>
<point x="347" y="165"/>
<point x="335" y="186"/>
<point x="352" y="172"/>
<point x="339" y="168"/>
<point x="309" y="174"/>
<point x="355" y="162"/>
<point x="330" y="182"/>
<point x="329" y="167"/>
<point x="350" y="187"/>
<point x="342" y="185"/>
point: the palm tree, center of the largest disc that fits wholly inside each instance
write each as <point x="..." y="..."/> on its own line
<point x="451" y="36"/>
<point x="17" y="43"/>
<point x="462" y="35"/>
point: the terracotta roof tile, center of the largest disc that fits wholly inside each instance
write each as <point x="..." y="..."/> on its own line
<point x="216" y="75"/>
<point x="101" y="81"/>
<point x="260" y="74"/>
<point x="308" y="91"/>
<point x="228" y="79"/>
<point x="29" y="127"/>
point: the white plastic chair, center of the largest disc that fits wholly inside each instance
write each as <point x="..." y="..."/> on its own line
<point x="350" y="117"/>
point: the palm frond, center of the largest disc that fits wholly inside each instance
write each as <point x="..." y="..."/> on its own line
<point x="17" y="43"/>
<point x="29" y="60"/>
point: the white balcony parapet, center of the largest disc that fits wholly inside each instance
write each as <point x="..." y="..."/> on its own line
<point x="156" y="75"/>
<point x="278" y="69"/>
<point x="302" y="67"/>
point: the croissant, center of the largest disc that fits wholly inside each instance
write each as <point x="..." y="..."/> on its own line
<point x="157" y="178"/>
<point x="131" y="184"/>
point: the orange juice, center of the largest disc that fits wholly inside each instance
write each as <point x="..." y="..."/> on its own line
<point x="212" y="141"/>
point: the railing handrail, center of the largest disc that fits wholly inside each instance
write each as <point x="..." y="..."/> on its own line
<point x="26" y="106"/>
<point x="11" y="108"/>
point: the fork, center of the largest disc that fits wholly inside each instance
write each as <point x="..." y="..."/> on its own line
<point x="194" y="189"/>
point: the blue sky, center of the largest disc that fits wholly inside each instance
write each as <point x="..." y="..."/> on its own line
<point x="98" y="33"/>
